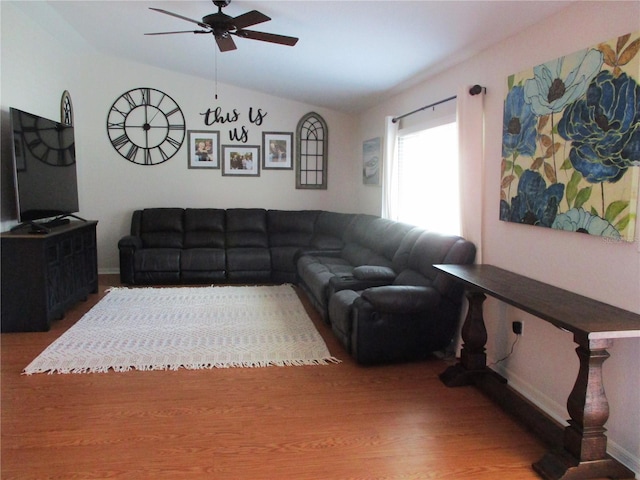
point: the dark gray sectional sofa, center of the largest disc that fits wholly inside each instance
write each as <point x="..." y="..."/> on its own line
<point x="370" y="278"/>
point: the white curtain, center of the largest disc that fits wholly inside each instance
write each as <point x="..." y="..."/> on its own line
<point x="390" y="170"/>
<point x="470" y="113"/>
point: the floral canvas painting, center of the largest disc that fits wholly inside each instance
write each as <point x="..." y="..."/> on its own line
<point x="571" y="142"/>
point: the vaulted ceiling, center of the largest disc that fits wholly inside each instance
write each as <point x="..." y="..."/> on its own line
<point x="350" y="53"/>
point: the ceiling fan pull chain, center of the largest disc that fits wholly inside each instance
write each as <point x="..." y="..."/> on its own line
<point x="215" y="61"/>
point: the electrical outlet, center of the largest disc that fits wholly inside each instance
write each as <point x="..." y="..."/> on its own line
<point x="517" y="327"/>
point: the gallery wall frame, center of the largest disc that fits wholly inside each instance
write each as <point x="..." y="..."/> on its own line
<point x="204" y="149"/>
<point x="241" y="160"/>
<point x="277" y="150"/>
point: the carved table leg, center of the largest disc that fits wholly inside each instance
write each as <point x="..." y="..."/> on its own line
<point x="585" y="443"/>
<point x="474" y="336"/>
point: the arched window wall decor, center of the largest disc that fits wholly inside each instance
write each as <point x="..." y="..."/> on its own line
<point x="312" y="152"/>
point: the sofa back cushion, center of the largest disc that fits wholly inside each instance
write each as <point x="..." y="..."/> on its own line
<point x="401" y="257"/>
<point x="386" y="236"/>
<point x="330" y="229"/>
<point x="162" y="227"/>
<point x="246" y="227"/>
<point x="204" y="228"/>
<point x="291" y="228"/>
<point x="433" y="248"/>
<point x="372" y="240"/>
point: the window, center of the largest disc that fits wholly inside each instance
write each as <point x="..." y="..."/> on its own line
<point x="428" y="182"/>
<point x="311" y="161"/>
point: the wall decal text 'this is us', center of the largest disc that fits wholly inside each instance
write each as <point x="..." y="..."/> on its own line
<point x="236" y="134"/>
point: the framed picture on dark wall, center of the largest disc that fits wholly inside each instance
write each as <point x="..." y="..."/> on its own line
<point x="277" y="150"/>
<point x="204" y="148"/>
<point x="241" y="160"/>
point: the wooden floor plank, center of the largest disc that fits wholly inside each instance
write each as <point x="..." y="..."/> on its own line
<point x="338" y="421"/>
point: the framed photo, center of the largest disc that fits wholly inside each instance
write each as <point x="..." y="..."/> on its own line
<point x="204" y="148"/>
<point x="277" y="150"/>
<point x="241" y="160"/>
<point x="371" y="155"/>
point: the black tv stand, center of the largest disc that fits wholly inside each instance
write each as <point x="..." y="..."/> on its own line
<point x="45" y="275"/>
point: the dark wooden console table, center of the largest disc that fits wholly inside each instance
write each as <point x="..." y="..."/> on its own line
<point x="45" y="274"/>
<point x="581" y="447"/>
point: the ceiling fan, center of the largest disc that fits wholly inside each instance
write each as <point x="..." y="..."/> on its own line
<point x="222" y="26"/>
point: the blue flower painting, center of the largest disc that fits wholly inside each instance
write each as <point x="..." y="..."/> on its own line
<point x="571" y="142"/>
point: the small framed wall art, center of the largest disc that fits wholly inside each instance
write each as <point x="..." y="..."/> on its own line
<point x="371" y="154"/>
<point x="204" y="148"/>
<point x="277" y="150"/>
<point x="241" y="160"/>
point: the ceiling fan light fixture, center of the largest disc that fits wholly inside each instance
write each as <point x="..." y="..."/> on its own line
<point x="222" y="26"/>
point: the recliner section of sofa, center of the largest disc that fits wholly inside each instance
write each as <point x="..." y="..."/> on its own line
<point x="415" y="314"/>
<point x="247" y="245"/>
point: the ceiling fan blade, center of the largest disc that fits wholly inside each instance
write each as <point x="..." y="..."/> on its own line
<point x="225" y="43"/>
<point x="248" y="19"/>
<point x="183" y="31"/>
<point x="197" y="22"/>
<point x="267" y="37"/>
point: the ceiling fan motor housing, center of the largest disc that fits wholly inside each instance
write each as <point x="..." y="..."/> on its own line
<point x="219" y="22"/>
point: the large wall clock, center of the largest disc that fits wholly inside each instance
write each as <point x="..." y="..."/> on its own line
<point x="50" y="142"/>
<point x="146" y="126"/>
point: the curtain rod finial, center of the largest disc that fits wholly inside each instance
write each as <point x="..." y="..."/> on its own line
<point x="477" y="89"/>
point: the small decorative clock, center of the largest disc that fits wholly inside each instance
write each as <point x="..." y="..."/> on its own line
<point x="146" y="126"/>
<point x="66" y="109"/>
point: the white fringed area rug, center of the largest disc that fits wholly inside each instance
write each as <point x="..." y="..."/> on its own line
<point x="192" y="328"/>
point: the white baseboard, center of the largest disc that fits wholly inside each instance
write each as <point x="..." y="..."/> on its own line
<point x="559" y="414"/>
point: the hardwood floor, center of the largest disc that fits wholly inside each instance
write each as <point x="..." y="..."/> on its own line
<point x="319" y="422"/>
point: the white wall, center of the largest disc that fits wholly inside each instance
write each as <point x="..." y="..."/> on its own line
<point x="37" y="67"/>
<point x="544" y="364"/>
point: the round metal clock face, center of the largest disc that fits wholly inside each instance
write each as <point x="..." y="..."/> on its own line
<point x="146" y="126"/>
<point x="49" y="142"/>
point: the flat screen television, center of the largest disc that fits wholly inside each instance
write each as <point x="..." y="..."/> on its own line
<point x="44" y="168"/>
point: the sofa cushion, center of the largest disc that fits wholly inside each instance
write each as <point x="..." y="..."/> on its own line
<point x="329" y="230"/>
<point x="204" y="228"/>
<point x="246" y="227"/>
<point x="340" y="308"/>
<point x="162" y="228"/>
<point x="372" y="240"/>
<point x="203" y="265"/>
<point x="401" y="257"/>
<point x="291" y="228"/>
<point x="430" y="248"/>
<point x="158" y="260"/>
<point x="203" y="259"/>
<point x="315" y="272"/>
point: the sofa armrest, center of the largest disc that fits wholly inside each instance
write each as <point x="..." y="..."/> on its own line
<point x="130" y="242"/>
<point x="402" y="299"/>
<point x="127" y="247"/>
<point x="374" y="272"/>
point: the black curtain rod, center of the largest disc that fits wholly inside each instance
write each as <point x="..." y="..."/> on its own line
<point x="475" y="90"/>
